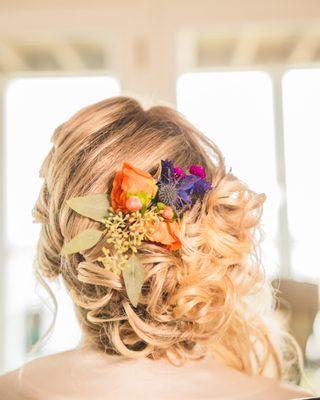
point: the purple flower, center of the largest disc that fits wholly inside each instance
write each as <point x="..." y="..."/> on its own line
<point x="202" y="186"/>
<point x="177" y="189"/>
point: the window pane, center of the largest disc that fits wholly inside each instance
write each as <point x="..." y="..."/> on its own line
<point x="301" y="99"/>
<point x="34" y="107"/>
<point x="235" y="109"/>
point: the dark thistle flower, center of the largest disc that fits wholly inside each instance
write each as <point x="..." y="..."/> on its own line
<point x="167" y="186"/>
<point x="176" y="189"/>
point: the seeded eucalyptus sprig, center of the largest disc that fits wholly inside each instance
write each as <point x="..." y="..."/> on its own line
<point x="122" y="232"/>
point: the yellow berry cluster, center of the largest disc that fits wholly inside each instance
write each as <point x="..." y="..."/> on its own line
<point x="124" y="234"/>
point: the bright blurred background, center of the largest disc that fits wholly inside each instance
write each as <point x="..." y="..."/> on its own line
<point x="247" y="73"/>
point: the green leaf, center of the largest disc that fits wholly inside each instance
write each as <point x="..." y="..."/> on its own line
<point x="83" y="241"/>
<point x="133" y="274"/>
<point x="94" y="206"/>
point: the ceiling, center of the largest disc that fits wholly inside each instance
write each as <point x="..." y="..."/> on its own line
<point x="82" y="35"/>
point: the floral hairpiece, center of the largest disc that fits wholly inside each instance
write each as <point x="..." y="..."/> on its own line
<point x="142" y="209"/>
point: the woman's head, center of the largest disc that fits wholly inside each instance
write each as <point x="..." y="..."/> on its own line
<point x="209" y="297"/>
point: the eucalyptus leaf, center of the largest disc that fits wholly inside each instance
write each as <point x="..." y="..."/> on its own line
<point x="133" y="274"/>
<point x="83" y="241"/>
<point x="94" y="206"/>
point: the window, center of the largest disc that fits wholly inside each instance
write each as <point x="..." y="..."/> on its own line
<point x="235" y="109"/>
<point x="34" y="108"/>
<point x="301" y="99"/>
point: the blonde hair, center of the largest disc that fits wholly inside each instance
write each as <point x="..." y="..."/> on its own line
<point x="211" y="297"/>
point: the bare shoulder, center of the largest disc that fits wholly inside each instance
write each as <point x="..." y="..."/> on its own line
<point x="269" y="389"/>
<point x="254" y="387"/>
<point x="289" y="391"/>
<point x="77" y="374"/>
<point x="9" y="386"/>
<point x="27" y="381"/>
<point x="70" y="374"/>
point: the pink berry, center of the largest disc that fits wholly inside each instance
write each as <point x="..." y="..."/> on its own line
<point x="179" y="172"/>
<point x="167" y="213"/>
<point x="198" y="170"/>
<point x="133" y="203"/>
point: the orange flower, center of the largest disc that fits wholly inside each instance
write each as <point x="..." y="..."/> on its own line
<point x="166" y="233"/>
<point x="130" y="181"/>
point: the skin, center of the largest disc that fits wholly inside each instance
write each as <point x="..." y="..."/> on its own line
<point x="84" y="373"/>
